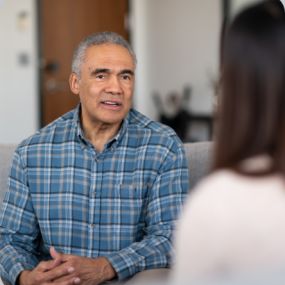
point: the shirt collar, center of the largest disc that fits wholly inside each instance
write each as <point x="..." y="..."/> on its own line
<point x="80" y="134"/>
<point x="77" y="124"/>
<point x="118" y="137"/>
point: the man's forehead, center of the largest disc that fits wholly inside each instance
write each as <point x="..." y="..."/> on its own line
<point x="109" y="56"/>
<point x="101" y="49"/>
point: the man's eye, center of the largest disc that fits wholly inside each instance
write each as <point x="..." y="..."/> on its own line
<point x="100" y="76"/>
<point x="126" y="77"/>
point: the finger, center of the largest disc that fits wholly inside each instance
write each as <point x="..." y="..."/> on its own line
<point x="58" y="272"/>
<point x="45" y="266"/>
<point x="67" y="280"/>
<point x="54" y="254"/>
<point x="73" y="281"/>
<point x="76" y="280"/>
<point x="57" y="257"/>
<point x="70" y="281"/>
<point x="66" y="257"/>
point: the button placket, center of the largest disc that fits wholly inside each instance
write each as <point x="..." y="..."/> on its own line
<point x="92" y="195"/>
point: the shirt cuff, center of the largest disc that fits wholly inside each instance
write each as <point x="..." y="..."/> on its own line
<point x="14" y="273"/>
<point x="123" y="265"/>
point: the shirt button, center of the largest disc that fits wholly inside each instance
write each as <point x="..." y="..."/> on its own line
<point x="92" y="226"/>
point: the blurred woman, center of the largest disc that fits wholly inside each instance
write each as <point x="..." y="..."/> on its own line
<point x="234" y="222"/>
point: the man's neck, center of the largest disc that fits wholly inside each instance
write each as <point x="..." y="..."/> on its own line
<point x="100" y="135"/>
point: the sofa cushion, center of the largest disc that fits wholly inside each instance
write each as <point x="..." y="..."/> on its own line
<point x="199" y="157"/>
<point x="6" y="152"/>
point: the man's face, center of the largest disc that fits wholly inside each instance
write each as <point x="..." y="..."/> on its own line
<point x="106" y="85"/>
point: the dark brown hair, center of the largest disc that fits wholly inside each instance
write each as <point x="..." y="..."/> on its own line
<point x="251" y="107"/>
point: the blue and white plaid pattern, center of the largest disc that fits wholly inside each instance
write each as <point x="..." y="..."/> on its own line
<point x="120" y="203"/>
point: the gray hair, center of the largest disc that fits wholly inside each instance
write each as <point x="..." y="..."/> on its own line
<point x="98" y="39"/>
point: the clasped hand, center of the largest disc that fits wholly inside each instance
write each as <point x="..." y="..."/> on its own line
<point x="65" y="269"/>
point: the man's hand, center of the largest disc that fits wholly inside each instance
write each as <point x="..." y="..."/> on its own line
<point x="48" y="271"/>
<point x="88" y="270"/>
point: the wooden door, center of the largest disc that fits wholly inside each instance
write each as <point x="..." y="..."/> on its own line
<point x="63" y="24"/>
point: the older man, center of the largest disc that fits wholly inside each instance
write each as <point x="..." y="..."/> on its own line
<point x="94" y="195"/>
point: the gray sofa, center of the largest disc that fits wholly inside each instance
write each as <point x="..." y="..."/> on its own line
<point x="198" y="155"/>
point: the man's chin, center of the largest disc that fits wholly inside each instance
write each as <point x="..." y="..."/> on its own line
<point x="112" y="121"/>
<point x="114" y="117"/>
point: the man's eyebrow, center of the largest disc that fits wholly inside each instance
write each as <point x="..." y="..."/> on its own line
<point x="100" y="70"/>
<point x="107" y="70"/>
<point x="127" y="71"/>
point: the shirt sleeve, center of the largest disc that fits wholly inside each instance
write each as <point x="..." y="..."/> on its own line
<point x="165" y="199"/>
<point x="18" y="226"/>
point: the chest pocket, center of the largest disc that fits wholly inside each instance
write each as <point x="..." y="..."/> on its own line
<point x="130" y="202"/>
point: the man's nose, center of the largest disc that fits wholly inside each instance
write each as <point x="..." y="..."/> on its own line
<point x="114" y="85"/>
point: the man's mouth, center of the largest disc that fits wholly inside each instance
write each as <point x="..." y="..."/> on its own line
<point x="111" y="103"/>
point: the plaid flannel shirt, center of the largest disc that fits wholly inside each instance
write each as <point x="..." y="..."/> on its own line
<point x="121" y="203"/>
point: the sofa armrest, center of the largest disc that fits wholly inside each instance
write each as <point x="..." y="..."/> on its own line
<point x="6" y="153"/>
<point x="199" y="156"/>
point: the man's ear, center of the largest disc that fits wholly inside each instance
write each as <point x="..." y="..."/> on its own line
<point x="74" y="83"/>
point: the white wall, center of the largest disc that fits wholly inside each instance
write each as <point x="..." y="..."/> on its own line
<point x="180" y="41"/>
<point x="18" y="83"/>
<point x="139" y="32"/>
<point x="237" y="5"/>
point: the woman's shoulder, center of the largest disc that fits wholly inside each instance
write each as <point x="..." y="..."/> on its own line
<point x="229" y="189"/>
<point x="228" y="180"/>
<point x="218" y="181"/>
